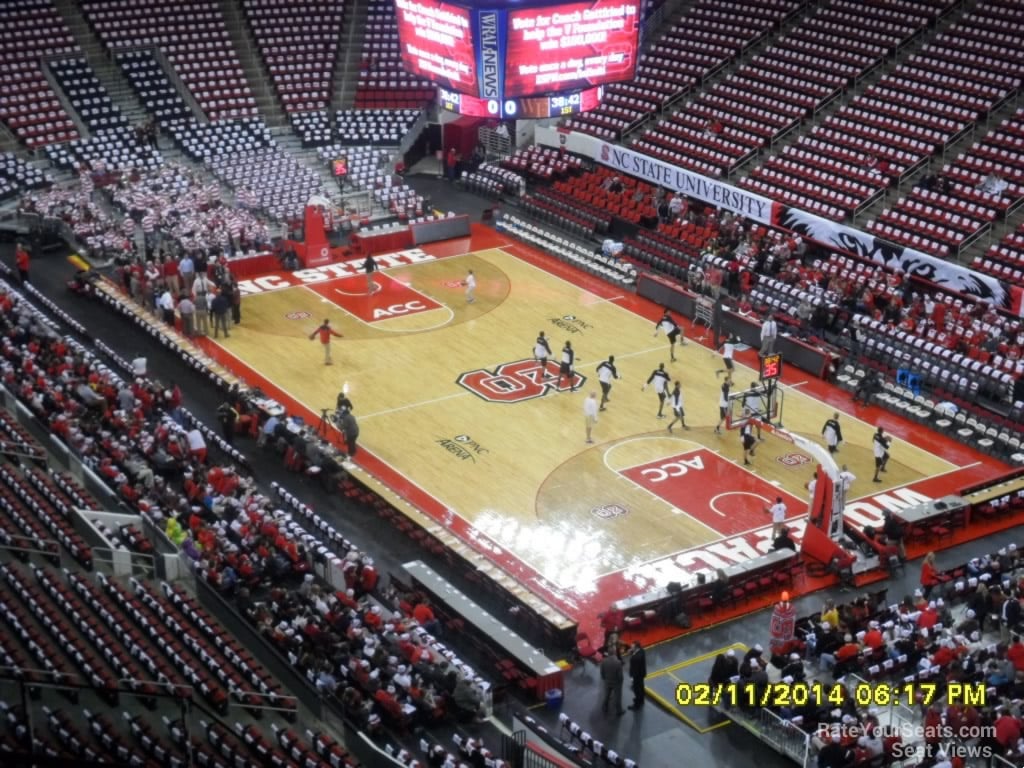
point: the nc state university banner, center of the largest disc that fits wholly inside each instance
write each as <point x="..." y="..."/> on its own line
<point x="945" y="274"/>
<point x="655" y="171"/>
<point x="691" y="184"/>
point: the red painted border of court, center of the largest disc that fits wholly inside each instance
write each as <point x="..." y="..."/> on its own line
<point x="584" y="607"/>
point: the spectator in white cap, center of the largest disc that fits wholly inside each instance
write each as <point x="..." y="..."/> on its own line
<point x="306" y="587"/>
<point x="794" y="667"/>
<point x="402" y="677"/>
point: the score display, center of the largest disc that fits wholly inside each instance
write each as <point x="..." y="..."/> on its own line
<point x="567" y="47"/>
<point x="771" y="366"/>
<point x="436" y="42"/>
<point x="533" y="108"/>
<point x="508" y="58"/>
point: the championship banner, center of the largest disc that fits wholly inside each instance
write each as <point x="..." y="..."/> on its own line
<point x="913" y="263"/>
<point x="658" y="172"/>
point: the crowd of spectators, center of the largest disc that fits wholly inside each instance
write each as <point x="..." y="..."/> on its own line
<point x="968" y="632"/>
<point x="830" y="297"/>
<point x="175" y="211"/>
<point x="96" y="230"/>
<point x="380" y="659"/>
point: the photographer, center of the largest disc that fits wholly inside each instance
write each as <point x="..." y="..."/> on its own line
<point x="343" y="403"/>
<point x="350" y="429"/>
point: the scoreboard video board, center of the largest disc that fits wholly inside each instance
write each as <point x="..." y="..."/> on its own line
<point x="502" y="58"/>
<point x="437" y="42"/>
<point x="568" y="47"/>
<point x="532" y="107"/>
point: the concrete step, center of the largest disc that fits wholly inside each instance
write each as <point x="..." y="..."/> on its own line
<point x="106" y="70"/>
<point x="346" y="65"/>
<point x="256" y="74"/>
<point x="8" y="141"/>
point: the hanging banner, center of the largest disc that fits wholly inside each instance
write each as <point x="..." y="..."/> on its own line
<point x="945" y="274"/>
<point x="628" y="161"/>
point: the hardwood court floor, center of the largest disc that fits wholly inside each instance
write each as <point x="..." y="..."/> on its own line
<point x="519" y="471"/>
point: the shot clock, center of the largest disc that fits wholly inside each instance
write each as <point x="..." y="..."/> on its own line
<point x="771" y="366"/>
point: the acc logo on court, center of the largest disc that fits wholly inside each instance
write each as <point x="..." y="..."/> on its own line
<point x="793" y="459"/>
<point x="670" y="469"/>
<point x="515" y="382"/>
<point x="298" y="315"/>
<point x="408" y="308"/>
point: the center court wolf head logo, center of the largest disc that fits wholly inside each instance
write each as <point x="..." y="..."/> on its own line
<point x="517" y="381"/>
<point x="793" y="459"/>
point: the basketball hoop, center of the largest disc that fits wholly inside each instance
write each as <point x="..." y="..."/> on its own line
<point x="759" y="405"/>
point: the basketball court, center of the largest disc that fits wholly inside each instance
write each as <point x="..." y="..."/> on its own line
<point x="458" y="418"/>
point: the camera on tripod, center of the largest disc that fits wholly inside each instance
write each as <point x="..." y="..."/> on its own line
<point x="335" y="416"/>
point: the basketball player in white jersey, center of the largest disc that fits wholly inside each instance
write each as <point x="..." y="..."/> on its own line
<point x="676" y="401"/>
<point x="672" y="330"/>
<point x="606" y="371"/>
<point x="660" y="378"/>
<point x="541" y="353"/>
<point x="728" y="351"/>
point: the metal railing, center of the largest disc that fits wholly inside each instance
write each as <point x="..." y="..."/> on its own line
<point x="79" y="692"/>
<point x="121" y="562"/>
<point x="781" y="735"/>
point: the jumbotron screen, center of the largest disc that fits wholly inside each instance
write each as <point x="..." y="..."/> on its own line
<point x="572" y="46"/>
<point x="436" y="41"/>
<point x="502" y="51"/>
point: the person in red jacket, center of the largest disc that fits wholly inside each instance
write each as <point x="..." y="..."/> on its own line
<point x="21" y="261"/>
<point x="873" y="638"/>
<point x="451" y="164"/>
<point x="424" y="616"/>
<point x="367" y="578"/>
<point x="325" y="332"/>
<point x="929" y="574"/>
<point x="1015" y="653"/>
<point x="1007" y="730"/>
<point x="929" y="616"/>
